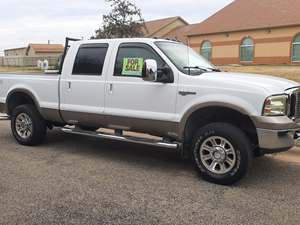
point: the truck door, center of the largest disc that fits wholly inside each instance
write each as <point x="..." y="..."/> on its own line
<point x="132" y="102"/>
<point x="82" y="88"/>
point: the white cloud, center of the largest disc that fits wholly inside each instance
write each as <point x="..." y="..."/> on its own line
<point x="23" y="22"/>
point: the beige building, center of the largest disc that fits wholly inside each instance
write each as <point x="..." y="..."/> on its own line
<point x="250" y="32"/>
<point x="244" y="32"/>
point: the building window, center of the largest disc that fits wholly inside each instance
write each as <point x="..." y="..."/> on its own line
<point x="247" y="50"/>
<point x="296" y="49"/>
<point x="206" y="50"/>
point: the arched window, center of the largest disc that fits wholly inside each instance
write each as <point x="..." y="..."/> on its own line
<point x="206" y="50"/>
<point x="247" y="50"/>
<point x="296" y="49"/>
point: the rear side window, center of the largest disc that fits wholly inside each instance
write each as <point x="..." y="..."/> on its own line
<point x="90" y="59"/>
<point x="131" y="57"/>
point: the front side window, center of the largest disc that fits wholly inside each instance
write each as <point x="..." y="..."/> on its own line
<point x="247" y="50"/>
<point x="296" y="49"/>
<point x="131" y="57"/>
<point x="90" y="59"/>
<point x="206" y="50"/>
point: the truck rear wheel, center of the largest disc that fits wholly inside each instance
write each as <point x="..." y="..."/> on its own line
<point x="221" y="153"/>
<point x="28" y="126"/>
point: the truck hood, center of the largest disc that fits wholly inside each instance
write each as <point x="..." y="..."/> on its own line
<point x="268" y="83"/>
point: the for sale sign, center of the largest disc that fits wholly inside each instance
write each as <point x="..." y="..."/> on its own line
<point x="132" y="66"/>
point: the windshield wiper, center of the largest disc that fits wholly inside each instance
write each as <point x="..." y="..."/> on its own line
<point x="215" y="70"/>
<point x="204" y="69"/>
<point x="196" y="67"/>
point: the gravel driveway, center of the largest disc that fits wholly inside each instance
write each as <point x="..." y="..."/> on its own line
<point x="79" y="180"/>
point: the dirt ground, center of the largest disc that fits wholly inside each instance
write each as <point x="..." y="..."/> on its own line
<point x="80" y="180"/>
<point x="285" y="71"/>
<point x="5" y="69"/>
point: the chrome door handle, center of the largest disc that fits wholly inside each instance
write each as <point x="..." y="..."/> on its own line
<point x="110" y="88"/>
<point x="69" y="85"/>
<point x="185" y="93"/>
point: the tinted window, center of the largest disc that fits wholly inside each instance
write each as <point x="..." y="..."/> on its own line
<point x="90" y="59"/>
<point x="136" y="53"/>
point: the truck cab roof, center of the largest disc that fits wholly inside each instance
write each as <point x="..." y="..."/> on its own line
<point x="122" y="40"/>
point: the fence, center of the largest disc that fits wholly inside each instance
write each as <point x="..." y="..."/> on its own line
<point x="28" y="61"/>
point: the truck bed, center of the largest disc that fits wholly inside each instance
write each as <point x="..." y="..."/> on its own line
<point x="44" y="87"/>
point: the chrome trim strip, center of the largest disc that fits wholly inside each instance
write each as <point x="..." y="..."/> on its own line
<point x="4" y="117"/>
<point x="293" y="91"/>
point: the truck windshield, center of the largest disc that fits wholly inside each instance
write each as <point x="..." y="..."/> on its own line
<point x="185" y="58"/>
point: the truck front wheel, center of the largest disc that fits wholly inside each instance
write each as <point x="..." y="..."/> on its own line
<point x="28" y="126"/>
<point x="221" y="153"/>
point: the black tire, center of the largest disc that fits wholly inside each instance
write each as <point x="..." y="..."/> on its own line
<point x="237" y="142"/>
<point x="39" y="127"/>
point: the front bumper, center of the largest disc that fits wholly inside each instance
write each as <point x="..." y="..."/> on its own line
<point x="276" y="134"/>
<point x="272" y="141"/>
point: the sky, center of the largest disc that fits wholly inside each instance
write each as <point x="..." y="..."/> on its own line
<point x="35" y="21"/>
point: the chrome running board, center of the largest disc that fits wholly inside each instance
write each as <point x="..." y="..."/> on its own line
<point x="130" y="139"/>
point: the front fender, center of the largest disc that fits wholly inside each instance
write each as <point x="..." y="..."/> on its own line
<point x="230" y="102"/>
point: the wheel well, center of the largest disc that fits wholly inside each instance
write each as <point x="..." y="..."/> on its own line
<point x="18" y="98"/>
<point x="208" y="115"/>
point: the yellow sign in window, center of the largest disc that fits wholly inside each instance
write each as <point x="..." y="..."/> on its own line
<point x="133" y="66"/>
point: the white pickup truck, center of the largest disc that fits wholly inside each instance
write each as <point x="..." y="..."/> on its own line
<point x="163" y="88"/>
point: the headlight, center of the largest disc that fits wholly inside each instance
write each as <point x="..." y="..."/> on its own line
<point x="276" y="106"/>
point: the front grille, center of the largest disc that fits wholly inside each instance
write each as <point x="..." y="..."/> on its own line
<point x="295" y="105"/>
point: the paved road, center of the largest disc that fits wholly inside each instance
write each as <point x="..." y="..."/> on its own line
<point x="79" y="180"/>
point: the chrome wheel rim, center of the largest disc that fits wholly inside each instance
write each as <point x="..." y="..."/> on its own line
<point x="24" y="126"/>
<point x="217" y="155"/>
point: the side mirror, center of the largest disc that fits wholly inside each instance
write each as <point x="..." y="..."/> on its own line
<point x="150" y="70"/>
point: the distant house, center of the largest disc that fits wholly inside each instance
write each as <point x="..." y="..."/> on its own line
<point x="28" y="56"/>
<point x="36" y="50"/>
<point x="15" y="51"/>
<point x="44" y="50"/>
<point x="250" y="32"/>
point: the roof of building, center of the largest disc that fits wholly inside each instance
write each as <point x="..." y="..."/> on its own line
<point x="249" y="15"/>
<point x="14" y="49"/>
<point x="154" y="26"/>
<point x="47" y="48"/>
<point x="180" y="33"/>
